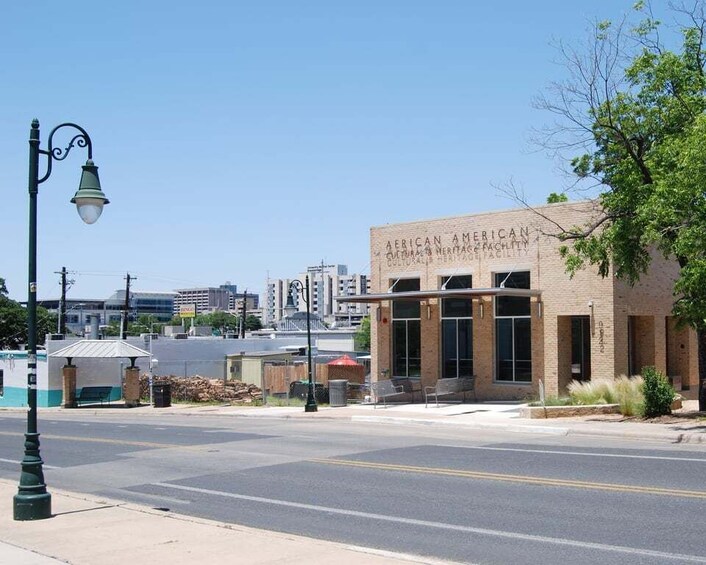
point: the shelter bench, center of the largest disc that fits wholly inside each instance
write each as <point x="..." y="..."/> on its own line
<point x="445" y="387"/>
<point x="94" y="394"/>
<point x="383" y="390"/>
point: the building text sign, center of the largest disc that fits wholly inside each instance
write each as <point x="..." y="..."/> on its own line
<point x="460" y="246"/>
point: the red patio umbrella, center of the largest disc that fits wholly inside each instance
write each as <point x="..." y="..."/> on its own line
<point x="344" y="360"/>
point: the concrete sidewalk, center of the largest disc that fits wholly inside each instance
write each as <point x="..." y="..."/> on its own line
<point x="502" y="417"/>
<point x="97" y="531"/>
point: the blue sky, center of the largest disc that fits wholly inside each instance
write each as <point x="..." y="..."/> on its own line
<point x="240" y="138"/>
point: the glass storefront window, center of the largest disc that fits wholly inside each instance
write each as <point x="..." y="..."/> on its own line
<point x="513" y="330"/>
<point x="457" y="330"/>
<point x="406" y="332"/>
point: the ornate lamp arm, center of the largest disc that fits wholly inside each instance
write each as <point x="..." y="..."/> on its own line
<point x="82" y="139"/>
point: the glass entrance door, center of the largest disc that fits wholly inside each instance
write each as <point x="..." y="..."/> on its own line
<point x="581" y="348"/>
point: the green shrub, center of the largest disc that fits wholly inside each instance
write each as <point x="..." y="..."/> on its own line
<point x="658" y="393"/>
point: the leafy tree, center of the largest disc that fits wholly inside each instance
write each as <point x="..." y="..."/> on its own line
<point x="13" y="321"/>
<point x="556" y="197"/>
<point x="47" y="323"/>
<point x="175" y="321"/>
<point x="637" y="108"/>
<point x="362" y="336"/>
<point x="220" y="320"/>
<point x="113" y="329"/>
<point x="252" y="323"/>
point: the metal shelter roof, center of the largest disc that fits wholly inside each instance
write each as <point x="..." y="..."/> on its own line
<point x="439" y="293"/>
<point x="101" y="349"/>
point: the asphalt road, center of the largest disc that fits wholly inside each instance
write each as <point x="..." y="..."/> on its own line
<point x="462" y="495"/>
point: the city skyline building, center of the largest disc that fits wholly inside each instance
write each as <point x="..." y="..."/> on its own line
<point x="325" y="282"/>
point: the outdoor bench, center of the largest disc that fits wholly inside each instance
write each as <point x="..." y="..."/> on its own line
<point x="409" y="384"/>
<point x="445" y="387"/>
<point x="383" y="390"/>
<point x="94" y="394"/>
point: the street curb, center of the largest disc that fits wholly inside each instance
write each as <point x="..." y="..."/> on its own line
<point x="519" y="428"/>
<point x="671" y="437"/>
<point x="676" y="437"/>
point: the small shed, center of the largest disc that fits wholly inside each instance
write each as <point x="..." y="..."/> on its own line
<point x="249" y="366"/>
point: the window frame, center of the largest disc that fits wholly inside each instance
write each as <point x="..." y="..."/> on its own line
<point x="406" y="314"/>
<point x="518" y="310"/>
<point x="454" y="307"/>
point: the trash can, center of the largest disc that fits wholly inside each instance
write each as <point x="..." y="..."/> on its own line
<point x="161" y="395"/>
<point x="298" y="389"/>
<point x="338" y="392"/>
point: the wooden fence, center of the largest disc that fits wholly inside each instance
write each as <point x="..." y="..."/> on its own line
<point x="276" y="377"/>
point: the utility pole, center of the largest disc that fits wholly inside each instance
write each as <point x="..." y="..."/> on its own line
<point x="243" y="312"/>
<point x="126" y="307"/>
<point x="62" y="303"/>
<point x="65" y="284"/>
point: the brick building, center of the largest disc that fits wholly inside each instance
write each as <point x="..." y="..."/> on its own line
<point x="488" y="295"/>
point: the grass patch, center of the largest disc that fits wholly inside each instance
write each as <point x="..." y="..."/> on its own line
<point x="279" y="401"/>
<point x="553" y="401"/>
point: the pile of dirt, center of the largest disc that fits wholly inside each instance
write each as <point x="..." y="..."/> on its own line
<point x="201" y="389"/>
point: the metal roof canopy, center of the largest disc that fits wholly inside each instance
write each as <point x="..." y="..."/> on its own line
<point x="101" y="349"/>
<point x="440" y="293"/>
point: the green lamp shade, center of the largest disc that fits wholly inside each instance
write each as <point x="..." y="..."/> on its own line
<point x="290" y="309"/>
<point x="89" y="197"/>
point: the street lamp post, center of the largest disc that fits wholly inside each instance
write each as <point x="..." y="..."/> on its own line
<point x="303" y="290"/>
<point x="32" y="501"/>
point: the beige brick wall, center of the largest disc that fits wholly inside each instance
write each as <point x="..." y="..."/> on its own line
<point x="518" y="240"/>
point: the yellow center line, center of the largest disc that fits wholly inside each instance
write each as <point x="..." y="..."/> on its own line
<point x="150" y="444"/>
<point x="515" y="478"/>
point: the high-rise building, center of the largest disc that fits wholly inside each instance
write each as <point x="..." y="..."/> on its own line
<point x="205" y="299"/>
<point x="212" y="299"/>
<point x="325" y="282"/>
<point x="160" y="305"/>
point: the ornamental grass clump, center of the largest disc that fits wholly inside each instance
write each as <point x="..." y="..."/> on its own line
<point x="585" y="393"/>
<point x="629" y="393"/>
<point x="658" y="393"/>
<point x="624" y="391"/>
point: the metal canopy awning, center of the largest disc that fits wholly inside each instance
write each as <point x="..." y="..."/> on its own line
<point x="101" y="349"/>
<point x="439" y="293"/>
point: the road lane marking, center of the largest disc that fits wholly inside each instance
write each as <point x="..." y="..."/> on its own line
<point x="112" y="441"/>
<point x="44" y="465"/>
<point x="581" y="453"/>
<point x="445" y="526"/>
<point x="514" y="478"/>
